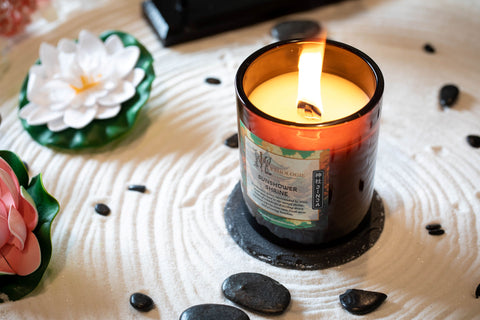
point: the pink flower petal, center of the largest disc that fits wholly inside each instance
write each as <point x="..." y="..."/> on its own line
<point x="4" y="231"/>
<point x="17" y="228"/>
<point x="28" y="209"/>
<point x="8" y="190"/>
<point x="4" y="266"/>
<point x="5" y="166"/>
<point x="23" y="262"/>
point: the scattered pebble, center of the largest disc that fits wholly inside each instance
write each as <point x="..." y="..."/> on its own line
<point x="473" y="140"/>
<point x="213" y="312"/>
<point x="435" y="229"/>
<point x="137" y="187"/>
<point x="433" y="226"/>
<point x="256" y="292"/>
<point x="102" y="209"/>
<point x="436" y="232"/>
<point x="232" y="141"/>
<point x="211" y="80"/>
<point x="361" y="302"/>
<point x="141" y="302"/>
<point x="295" y="29"/>
<point x="477" y="291"/>
<point x="429" y="48"/>
<point x="448" y="95"/>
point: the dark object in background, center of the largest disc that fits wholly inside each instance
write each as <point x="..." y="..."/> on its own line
<point x="296" y="29"/>
<point x="473" y="140"/>
<point x="429" y="48"/>
<point x="177" y="21"/>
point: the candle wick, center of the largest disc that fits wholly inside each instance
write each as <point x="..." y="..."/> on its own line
<point x="308" y="110"/>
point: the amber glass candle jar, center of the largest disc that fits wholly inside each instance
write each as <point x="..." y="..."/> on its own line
<point x="310" y="183"/>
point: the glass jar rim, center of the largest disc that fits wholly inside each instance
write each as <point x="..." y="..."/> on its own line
<point x="373" y="101"/>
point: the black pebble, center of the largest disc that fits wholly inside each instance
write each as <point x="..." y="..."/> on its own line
<point x="433" y="226"/>
<point x="26" y="166"/>
<point x="429" y="48"/>
<point x="232" y="141"/>
<point x="477" y="291"/>
<point x="137" y="187"/>
<point x="448" y="95"/>
<point x="141" y="302"/>
<point x="102" y="209"/>
<point x="436" y="232"/>
<point x="473" y="140"/>
<point x="256" y="292"/>
<point x="211" y="80"/>
<point x="213" y="312"/>
<point x="295" y="29"/>
<point x="360" y="301"/>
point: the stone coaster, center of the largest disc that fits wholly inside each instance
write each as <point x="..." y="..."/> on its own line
<point x="261" y="244"/>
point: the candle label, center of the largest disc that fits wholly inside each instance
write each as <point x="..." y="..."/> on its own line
<point x="290" y="187"/>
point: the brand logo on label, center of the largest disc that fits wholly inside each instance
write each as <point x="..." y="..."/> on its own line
<point x="263" y="162"/>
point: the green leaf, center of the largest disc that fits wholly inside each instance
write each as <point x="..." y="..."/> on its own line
<point x="14" y="286"/>
<point x="98" y="132"/>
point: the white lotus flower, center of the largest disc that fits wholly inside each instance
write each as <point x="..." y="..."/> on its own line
<point x="78" y="82"/>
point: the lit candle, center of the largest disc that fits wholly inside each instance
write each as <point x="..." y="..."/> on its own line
<point x="308" y="176"/>
<point x="277" y="97"/>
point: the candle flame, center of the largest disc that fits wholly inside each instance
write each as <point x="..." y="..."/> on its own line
<point x="309" y="100"/>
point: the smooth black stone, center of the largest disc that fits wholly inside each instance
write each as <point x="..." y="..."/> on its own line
<point x="433" y="226"/>
<point x="264" y="246"/>
<point x="477" y="291"/>
<point x="213" y="312"/>
<point x="102" y="209"/>
<point x="448" y="95"/>
<point x="141" y="302"/>
<point x="295" y="29"/>
<point x="256" y="292"/>
<point x="211" y="80"/>
<point x="361" y="302"/>
<point x="429" y="48"/>
<point x="232" y="141"/>
<point x="436" y="232"/>
<point x="473" y="141"/>
<point x="137" y="187"/>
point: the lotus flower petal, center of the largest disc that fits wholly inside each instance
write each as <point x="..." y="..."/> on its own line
<point x="125" y="60"/>
<point x="17" y="228"/>
<point x="113" y="44"/>
<point x="135" y="76"/>
<point x="6" y="167"/>
<point x="29" y="209"/>
<point x="5" y="267"/>
<point x="107" y="112"/>
<point x="67" y="46"/>
<point x="91" y="52"/>
<point x="79" y="118"/>
<point x="8" y="190"/>
<point x="4" y="231"/>
<point x="122" y="93"/>
<point x="26" y="261"/>
<point x="49" y="57"/>
<point x="57" y="125"/>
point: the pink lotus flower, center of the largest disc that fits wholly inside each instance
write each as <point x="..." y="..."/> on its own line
<point x="19" y="248"/>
